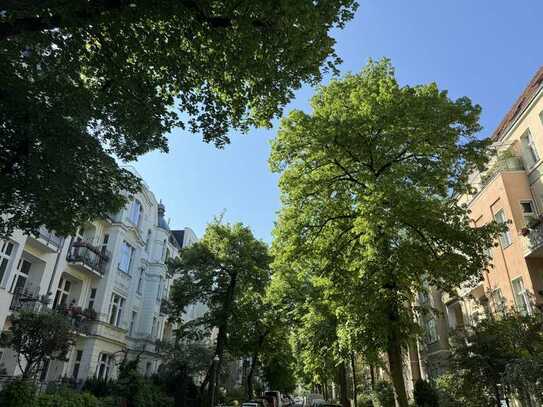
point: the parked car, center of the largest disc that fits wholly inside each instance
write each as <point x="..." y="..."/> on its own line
<point x="310" y="397"/>
<point x="258" y="402"/>
<point x="318" y="403"/>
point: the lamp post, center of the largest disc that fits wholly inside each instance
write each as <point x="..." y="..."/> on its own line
<point x="213" y="385"/>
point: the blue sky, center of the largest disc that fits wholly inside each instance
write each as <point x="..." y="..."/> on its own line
<point x="487" y="50"/>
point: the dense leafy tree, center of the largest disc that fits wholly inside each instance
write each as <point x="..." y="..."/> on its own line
<point x="278" y="362"/>
<point x="37" y="337"/>
<point x="369" y="181"/>
<point x="504" y="357"/>
<point x="220" y="271"/>
<point x="84" y="80"/>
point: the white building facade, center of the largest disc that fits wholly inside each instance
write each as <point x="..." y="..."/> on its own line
<point x="110" y="279"/>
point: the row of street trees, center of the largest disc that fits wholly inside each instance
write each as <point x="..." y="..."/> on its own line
<point x="369" y="186"/>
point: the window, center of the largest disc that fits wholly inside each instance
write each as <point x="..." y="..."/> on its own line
<point x="44" y="370"/>
<point x="521" y="297"/>
<point x="105" y="242"/>
<point x="148" y="240"/>
<point x="127" y="255"/>
<point x="134" y="215"/>
<point x="431" y="330"/>
<point x="140" y="280"/>
<point x="164" y="248"/>
<point x="105" y="362"/>
<point x="116" y="309"/>
<point x="63" y="291"/>
<point x="77" y="364"/>
<point x="154" y="327"/>
<point x="527" y="211"/>
<point x="6" y="248"/>
<point x="133" y="321"/>
<point x="529" y="149"/>
<point x="19" y="281"/>
<point x="148" y="369"/>
<point x="92" y="297"/>
<point x="505" y="237"/>
<point x="159" y="289"/>
<point x="498" y="300"/>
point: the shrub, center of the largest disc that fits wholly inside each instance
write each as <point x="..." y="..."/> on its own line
<point x="425" y="394"/>
<point x="68" y="398"/>
<point x="383" y="395"/>
<point x="364" y="400"/>
<point x="99" y="387"/>
<point x="19" y="393"/>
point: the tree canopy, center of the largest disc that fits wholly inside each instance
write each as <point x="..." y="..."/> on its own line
<point x="87" y="80"/>
<point x="225" y="272"/>
<point x="369" y="181"/>
<point x="38" y="337"/>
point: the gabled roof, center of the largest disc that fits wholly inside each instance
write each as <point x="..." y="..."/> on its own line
<point x="522" y="102"/>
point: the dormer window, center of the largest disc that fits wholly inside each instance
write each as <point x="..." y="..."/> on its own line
<point x="136" y="210"/>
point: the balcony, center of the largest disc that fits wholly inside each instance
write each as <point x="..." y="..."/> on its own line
<point x="27" y="300"/>
<point x="81" y="320"/>
<point x="533" y="239"/>
<point x="47" y="240"/>
<point x="506" y="161"/>
<point x="88" y="258"/>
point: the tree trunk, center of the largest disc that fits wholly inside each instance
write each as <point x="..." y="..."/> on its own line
<point x="250" y="391"/>
<point x="372" y="376"/>
<point x="221" y="342"/>
<point x="343" y="393"/>
<point x="394" y="352"/>
<point x="353" y="368"/>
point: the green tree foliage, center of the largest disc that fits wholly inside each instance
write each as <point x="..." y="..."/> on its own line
<point x="221" y="271"/>
<point x="85" y="80"/>
<point x="383" y="395"/>
<point x="369" y="181"/>
<point x="278" y="362"/>
<point x="299" y="296"/>
<point x="19" y="393"/>
<point x="501" y="357"/>
<point x="37" y="337"/>
<point x="183" y="360"/>
<point x="425" y="394"/>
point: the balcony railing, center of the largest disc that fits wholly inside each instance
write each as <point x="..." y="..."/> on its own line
<point x="80" y="319"/>
<point x="533" y="239"/>
<point x="506" y="162"/>
<point x="91" y="257"/>
<point x="24" y="299"/>
<point x="50" y="238"/>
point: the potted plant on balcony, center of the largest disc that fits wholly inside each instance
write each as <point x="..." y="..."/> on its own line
<point x="90" y="313"/>
<point x="525" y="231"/>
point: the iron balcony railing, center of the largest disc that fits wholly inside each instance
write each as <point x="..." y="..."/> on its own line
<point x="91" y="256"/>
<point x="80" y="319"/>
<point x="24" y="299"/>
